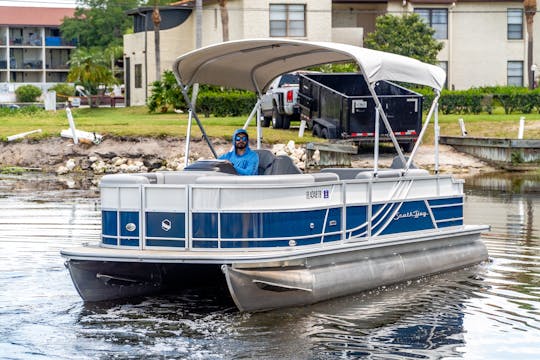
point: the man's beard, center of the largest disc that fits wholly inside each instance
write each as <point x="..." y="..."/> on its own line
<point x="241" y="145"/>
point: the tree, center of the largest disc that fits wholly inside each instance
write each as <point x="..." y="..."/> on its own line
<point x="99" y="22"/>
<point x="224" y="19"/>
<point x="156" y="19"/>
<point x="530" y="11"/>
<point x="89" y="68"/>
<point x="406" y="35"/>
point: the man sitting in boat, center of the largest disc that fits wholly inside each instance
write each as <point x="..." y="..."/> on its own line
<point x="244" y="160"/>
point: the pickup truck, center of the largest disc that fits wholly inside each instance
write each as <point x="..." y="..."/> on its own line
<point x="279" y="104"/>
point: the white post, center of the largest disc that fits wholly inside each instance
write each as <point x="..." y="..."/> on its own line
<point x="72" y="126"/>
<point x="462" y="126"/>
<point x="521" y="127"/>
<point x="50" y="100"/>
<point x="188" y="139"/>
<point x="302" y="128"/>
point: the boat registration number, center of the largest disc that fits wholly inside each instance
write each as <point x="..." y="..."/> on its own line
<point x="317" y="194"/>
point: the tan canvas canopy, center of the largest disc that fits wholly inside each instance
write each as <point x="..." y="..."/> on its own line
<point x="252" y="64"/>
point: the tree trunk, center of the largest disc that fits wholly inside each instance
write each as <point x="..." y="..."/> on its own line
<point x="156" y="18"/>
<point x="530" y="11"/>
<point x="224" y="19"/>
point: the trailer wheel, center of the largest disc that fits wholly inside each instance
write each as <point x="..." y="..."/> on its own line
<point x="277" y="118"/>
<point x="317" y="130"/>
<point x="286" y="121"/>
<point x="324" y="133"/>
<point x="408" y="146"/>
<point x="266" y="121"/>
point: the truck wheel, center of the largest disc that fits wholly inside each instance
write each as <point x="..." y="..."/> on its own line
<point x="266" y="121"/>
<point x="286" y="121"/>
<point x="317" y="130"/>
<point x="324" y="133"/>
<point x="277" y="118"/>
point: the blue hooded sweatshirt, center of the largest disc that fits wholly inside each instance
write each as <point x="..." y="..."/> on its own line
<point x="246" y="164"/>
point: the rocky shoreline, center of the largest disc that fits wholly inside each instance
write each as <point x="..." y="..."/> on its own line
<point x="130" y="155"/>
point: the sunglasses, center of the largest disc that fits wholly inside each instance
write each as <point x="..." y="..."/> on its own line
<point x="240" y="138"/>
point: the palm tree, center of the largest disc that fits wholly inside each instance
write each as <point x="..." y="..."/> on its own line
<point x="89" y="68"/>
<point x="156" y="19"/>
<point x="224" y="19"/>
<point x="530" y="11"/>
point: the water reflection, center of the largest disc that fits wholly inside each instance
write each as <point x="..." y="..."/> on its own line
<point x="486" y="311"/>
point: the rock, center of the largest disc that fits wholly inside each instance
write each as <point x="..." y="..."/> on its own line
<point x="153" y="163"/>
<point x="85" y="164"/>
<point x="62" y="170"/>
<point x="290" y="146"/>
<point x="71" y="164"/>
<point x="117" y="161"/>
<point x="277" y="147"/>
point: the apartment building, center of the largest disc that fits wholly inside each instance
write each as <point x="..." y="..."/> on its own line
<point x="31" y="48"/>
<point x="485" y="42"/>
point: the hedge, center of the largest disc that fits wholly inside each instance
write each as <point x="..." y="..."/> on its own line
<point x="477" y="100"/>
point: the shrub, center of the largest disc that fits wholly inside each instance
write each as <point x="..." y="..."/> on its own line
<point x="27" y="93"/>
<point x="63" y="91"/>
<point x="165" y="94"/>
<point x="226" y="102"/>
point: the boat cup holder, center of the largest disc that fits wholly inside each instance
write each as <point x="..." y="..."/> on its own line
<point x="221" y="166"/>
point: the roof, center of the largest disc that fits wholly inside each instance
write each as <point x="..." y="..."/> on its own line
<point x="252" y="64"/>
<point x="32" y="16"/>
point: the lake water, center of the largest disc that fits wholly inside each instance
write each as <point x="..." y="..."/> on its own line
<point x="487" y="311"/>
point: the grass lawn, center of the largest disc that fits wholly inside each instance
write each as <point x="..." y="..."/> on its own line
<point x="137" y="122"/>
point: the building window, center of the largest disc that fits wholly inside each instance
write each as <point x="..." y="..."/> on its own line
<point x="437" y="19"/>
<point x="515" y="24"/>
<point x="515" y="73"/>
<point x="138" y="76"/>
<point x="287" y="20"/>
<point x="444" y="65"/>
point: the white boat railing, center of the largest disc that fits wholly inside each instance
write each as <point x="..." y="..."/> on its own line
<point x="217" y="216"/>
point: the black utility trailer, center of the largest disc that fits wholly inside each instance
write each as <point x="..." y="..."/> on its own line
<point x="340" y="106"/>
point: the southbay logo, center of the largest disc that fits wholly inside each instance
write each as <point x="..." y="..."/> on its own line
<point x="411" y="214"/>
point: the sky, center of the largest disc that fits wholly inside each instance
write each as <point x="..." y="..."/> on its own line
<point x="39" y="3"/>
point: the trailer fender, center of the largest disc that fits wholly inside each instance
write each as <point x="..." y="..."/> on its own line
<point x="329" y="125"/>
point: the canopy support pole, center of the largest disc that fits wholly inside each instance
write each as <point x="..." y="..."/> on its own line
<point x="434" y="108"/>
<point x="437" y="133"/>
<point x="386" y="123"/>
<point x="194" y="113"/>
<point x="188" y="139"/>
<point x="256" y="110"/>
<point x="376" y="144"/>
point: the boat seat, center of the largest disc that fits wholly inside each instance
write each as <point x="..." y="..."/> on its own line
<point x="266" y="159"/>
<point x="344" y="173"/>
<point x="283" y="165"/>
<point x="258" y="180"/>
<point x="186" y="177"/>
<point x="328" y="176"/>
<point x="398" y="164"/>
<point x="392" y="173"/>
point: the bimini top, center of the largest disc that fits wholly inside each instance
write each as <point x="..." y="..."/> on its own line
<point x="252" y="64"/>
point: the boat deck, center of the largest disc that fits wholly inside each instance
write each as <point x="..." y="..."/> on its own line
<point x="229" y="256"/>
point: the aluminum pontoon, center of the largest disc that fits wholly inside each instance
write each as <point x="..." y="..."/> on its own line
<point x="282" y="238"/>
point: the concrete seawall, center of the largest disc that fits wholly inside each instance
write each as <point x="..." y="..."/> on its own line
<point x="496" y="150"/>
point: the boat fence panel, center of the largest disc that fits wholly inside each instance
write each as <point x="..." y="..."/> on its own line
<point x="251" y="216"/>
<point x="165" y="216"/>
<point x="121" y="215"/>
